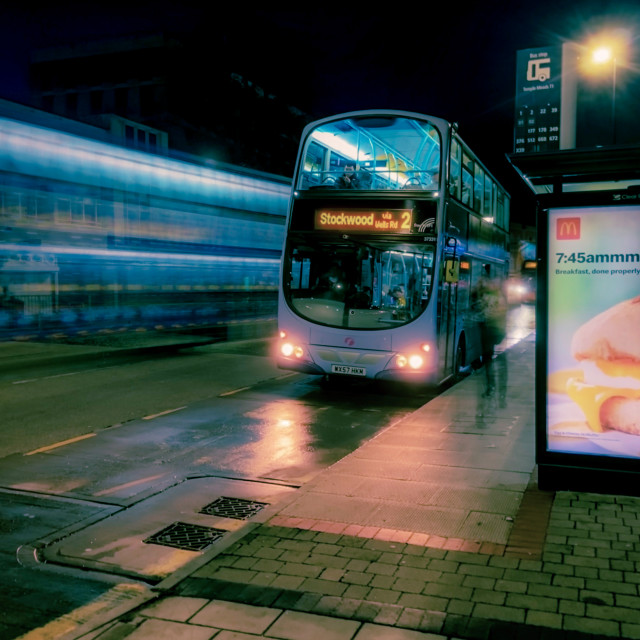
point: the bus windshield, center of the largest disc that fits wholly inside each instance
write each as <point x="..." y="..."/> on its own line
<point x="355" y="284"/>
<point x="378" y="153"/>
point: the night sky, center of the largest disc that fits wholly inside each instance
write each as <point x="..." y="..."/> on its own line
<point x="438" y="60"/>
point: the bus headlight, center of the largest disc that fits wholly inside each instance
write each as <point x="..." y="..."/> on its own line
<point x="412" y="361"/>
<point x="401" y="361"/>
<point x="288" y="349"/>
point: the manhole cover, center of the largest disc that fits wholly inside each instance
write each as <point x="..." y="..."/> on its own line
<point x="182" y="535"/>
<point x="236" y="508"/>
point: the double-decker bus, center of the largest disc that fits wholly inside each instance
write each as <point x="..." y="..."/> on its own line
<point x="391" y="223"/>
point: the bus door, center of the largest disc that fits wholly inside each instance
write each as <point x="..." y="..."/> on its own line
<point x="447" y="312"/>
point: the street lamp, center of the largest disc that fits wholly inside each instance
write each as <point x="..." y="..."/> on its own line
<point x="610" y="48"/>
<point x="602" y="55"/>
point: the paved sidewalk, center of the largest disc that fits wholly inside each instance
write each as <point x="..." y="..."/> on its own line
<point x="433" y="529"/>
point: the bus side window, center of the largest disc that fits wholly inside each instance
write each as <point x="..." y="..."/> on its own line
<point x="478" y="188"/>
<point x="313" y="166"/>
<point x="488" y="204"/>
<point x="454" y="169"/>
<point x="467" y="180"/>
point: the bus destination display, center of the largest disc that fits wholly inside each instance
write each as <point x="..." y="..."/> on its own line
<point x="364" y="220"/>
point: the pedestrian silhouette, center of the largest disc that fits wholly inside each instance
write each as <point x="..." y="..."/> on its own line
<point x="489" y="307"/>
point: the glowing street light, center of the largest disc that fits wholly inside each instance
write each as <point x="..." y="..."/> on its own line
<point x="603" y="55"/>
<point x="611" y="48"/>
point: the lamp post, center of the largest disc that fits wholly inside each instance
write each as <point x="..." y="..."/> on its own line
<point x="610" y="48"/>
<point x="602" y="55"/>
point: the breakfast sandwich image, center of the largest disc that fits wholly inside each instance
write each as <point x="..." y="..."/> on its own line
<point x="606" y="387"/>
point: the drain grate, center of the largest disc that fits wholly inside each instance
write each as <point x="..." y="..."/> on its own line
<point x="236" y="508"/>
<point x="183" y="535"/>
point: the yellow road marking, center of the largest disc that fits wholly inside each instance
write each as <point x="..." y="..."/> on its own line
<point x="163" y="413"/>
<point x="230" y="393"/>
<point x="60" y="444"/>
<point x="69" y="621"/>
<point x="126" y="485"/>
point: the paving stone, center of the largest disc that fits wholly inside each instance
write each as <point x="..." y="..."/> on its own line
<point x="496" y="612"/>
<point x="447" y="591"/>
<point x="235" y="617"/>
<point x="384" y="595"/>
<point x="613" y="613"/>
<point x="153" y="629"/>
<point x="177" y="608"/>
<point x="324" y="587"/>
<point x="409" y="586"/>
<point x="370" y="631"/>
<point x="489" y="596"/>
<point x="538" y="603"/>
<point x="544" y="619"/>
<point x="299" y="569"/>
<point x="323" y="560"/>
<point x="572" y="608"/>
<point x="295" y="625"/>
<point x="592" y="625"/>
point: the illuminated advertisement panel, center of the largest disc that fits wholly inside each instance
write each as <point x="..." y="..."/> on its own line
<point x="593" y="324"/>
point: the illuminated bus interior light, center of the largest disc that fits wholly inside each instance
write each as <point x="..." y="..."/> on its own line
<point x="333" y="141"/>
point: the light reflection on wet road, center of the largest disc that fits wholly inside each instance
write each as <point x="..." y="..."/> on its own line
<point x="283" y="427"/>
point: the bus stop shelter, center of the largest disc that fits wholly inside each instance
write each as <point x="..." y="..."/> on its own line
<point x="588" y="317"/>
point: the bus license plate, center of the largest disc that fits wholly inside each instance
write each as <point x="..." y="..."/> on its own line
<point x="348" y="370"/>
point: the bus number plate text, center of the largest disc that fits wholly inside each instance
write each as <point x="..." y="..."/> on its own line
<point x="348" y="370"/>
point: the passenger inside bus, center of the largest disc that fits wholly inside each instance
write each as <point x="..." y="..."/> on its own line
<point x="353" y="179"/>
<point x="398" y="298"/>
<point x="348" y="179"/>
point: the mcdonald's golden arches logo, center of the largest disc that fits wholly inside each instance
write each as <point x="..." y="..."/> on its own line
<point x="568" y="229"/>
